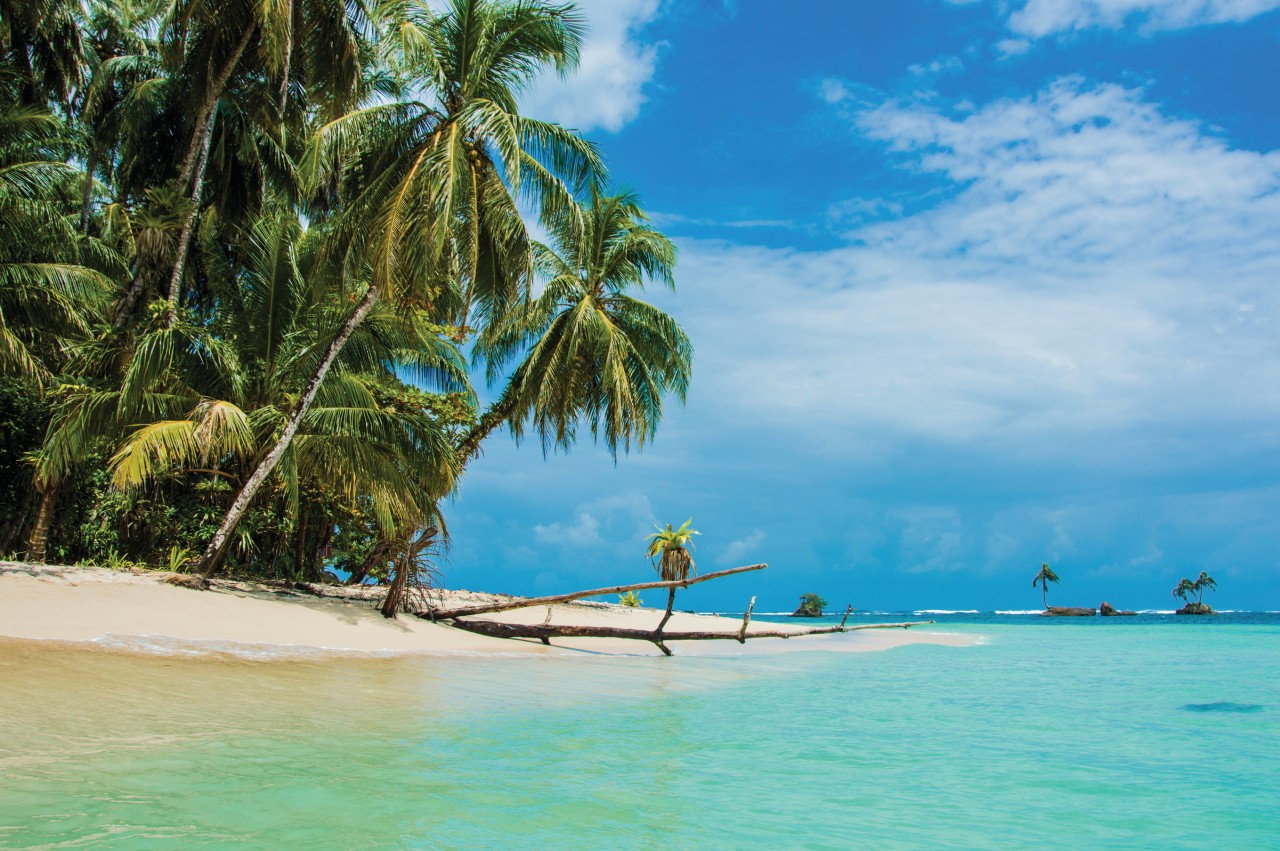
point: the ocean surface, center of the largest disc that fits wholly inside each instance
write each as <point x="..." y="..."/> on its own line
<point x="1147" y="732"/>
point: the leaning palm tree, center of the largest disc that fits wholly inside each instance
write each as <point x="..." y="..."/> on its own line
<point x="1043" y="578"/>
<point x="427" y="195"/>
<point x="1184" y="589"/>
<point x="590" y="351"/>
<point x="317" y="41"/>
<point x="356" y="442"/>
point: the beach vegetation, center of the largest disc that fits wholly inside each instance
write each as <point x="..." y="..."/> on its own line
<point x="252" y="254"/>
<point x="669" y="552"/>
<point x="1043" y="578"/>
<point x="630" y="599"/>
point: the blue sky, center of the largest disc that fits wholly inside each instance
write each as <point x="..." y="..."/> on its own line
<point x="972" y="285"/>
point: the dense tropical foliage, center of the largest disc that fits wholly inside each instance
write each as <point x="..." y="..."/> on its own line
<point x="250" y="253"/>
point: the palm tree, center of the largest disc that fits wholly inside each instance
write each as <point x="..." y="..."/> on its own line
<point x="591" y="352"/>
<point x="318" y="41"/>
<point x="54" y="281"/>
<point x="428" y="194"/>
<point x="1183" y="589"/>
<point x="669" y="552"/>
<point x="1043" y="578"/>
<point x="364" y="438"/>
<point x="1203" y="582"/>
<point x="41" y="40"/>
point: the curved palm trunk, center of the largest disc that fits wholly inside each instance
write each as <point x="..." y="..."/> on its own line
<point x="38" y="543"/>
<point x="194" y="164"/>
<point x="1044" y="594"/>
<point x="217" y="548"/>
<point x="499" y="412"/>
<point x="395" y="594"/>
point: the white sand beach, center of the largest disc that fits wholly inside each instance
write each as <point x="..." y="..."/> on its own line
<point x="140" y="611"/>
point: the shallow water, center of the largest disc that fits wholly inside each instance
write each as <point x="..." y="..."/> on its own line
<point x="1039" y="736"/>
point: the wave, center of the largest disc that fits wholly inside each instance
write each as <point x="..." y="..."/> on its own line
<point x="1018" y="611"/>
<point x="945" y="612"/>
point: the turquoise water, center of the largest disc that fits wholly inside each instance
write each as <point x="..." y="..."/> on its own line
<point x="1123" y="735"/>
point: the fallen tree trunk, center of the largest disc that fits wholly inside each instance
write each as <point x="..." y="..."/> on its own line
<point x="546" y="631"/>
<point x="448" y="614"/>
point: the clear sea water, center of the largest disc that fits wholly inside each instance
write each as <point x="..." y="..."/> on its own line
<point x="1147" y="732"/>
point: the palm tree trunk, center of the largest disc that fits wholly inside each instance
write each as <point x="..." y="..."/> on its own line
<point x="395" y="594"/>
<point x="217" y="548"/>
<point x="87" y="198"/>
<point x="381" y="548"/>
<point x="184" y="239"/>
<point x="1044" y="594"/>
<point x="300" y="545"/>
<point x="671" y="601"/>
<point x="125" y="308"/>
<point x="38" y="543"/>
<point x="499" y="412"/>
<point x="194" y="164"/>
<point x="205" y="115"/>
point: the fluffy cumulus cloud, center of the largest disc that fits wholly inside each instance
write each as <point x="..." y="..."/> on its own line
<point x="603" y="522"/>
<point x="1100" y="273"/>
<point x="742" y="548"/>
<point x="1035" y="19"/>
<point x="617" y="64"/>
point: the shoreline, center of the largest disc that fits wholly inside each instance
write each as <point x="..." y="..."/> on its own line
<point x="140" y="613"/>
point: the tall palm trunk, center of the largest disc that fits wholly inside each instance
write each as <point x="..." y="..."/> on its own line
<point x="194" y="163"/>
<point x="86" y="200"/>
<point x="1044" y="594"/>
<point x="217" y="548"/>
<point x="38" y="543"/>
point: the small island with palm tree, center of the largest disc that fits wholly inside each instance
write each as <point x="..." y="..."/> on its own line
<point x="1186" y="587"/>
<point x="1043" y="578"/>
<point x="811" y="606"/>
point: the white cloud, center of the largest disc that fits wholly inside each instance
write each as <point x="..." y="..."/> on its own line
<point x="582" y="531"/>
<point x="939" y="66"/>
<point x="743" y="547"/>
<point x="608" y="88"/>
<point x="619" y="520"/>
<point x="1102" y="276"/>
<point x="1040" y="18"/>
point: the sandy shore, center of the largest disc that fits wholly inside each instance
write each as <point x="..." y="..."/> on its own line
<point x="140" y="611"/>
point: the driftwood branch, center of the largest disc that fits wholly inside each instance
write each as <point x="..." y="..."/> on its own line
<point x="746" y="621"/>
<point x="438" y="614"/>
<point x="544" y="632"/>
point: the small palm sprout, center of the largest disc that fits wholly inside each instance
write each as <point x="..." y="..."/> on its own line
<point x="630" y="599"/>
<point x="1043" y="578"/>
<point x="668" y="554"/>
